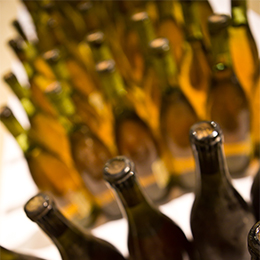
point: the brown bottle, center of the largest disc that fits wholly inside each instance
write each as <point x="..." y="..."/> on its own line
<point x="151" y="234"/>
<point x="220" y="218"/>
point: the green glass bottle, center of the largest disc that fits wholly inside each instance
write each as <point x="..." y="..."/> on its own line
<point x="133" y="136"/>
<point x="6" y="254"/>
<point x="88" y="151"/>
<point x="151" y="234"/>
<point x="243" y="47"/>
<point x="227" y="102"/>
<point x="74" y="199"/>
<point x="48" y="131"/>
<point x="72" y="242"/>
<point x="254" y="241"/>
<point x="177" y="114"/>
<point x="220" y="218"/>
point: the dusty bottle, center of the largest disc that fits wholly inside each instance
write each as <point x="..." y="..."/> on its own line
<point x="132" y="135"/>
<point x="74" y="199"/>
<point x="254" y="241"/>
<point x="72" y="242"/>
<point x="218" y="211"/>
<point x="177" y="114"/>
<point x="6" y="254"/>
<point x="227" y="102"/>
<point x="88" y="151"/>
<point x="151" y="234"/>
<point x="243" y="47"/>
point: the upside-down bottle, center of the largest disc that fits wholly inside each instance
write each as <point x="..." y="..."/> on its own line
<point x="72" y="242"/>
<point x="151" y="234"/>
<point x="220" y="218"/>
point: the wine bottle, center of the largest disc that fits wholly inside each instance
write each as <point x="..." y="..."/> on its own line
<point x="151" y="234"/>
<point x="243" y="47"/>
<point x="88" y="151"/>
<point x="6" y="254"/>
<point x="177" y="115"/>
<point x="132" y="135"/>
<point x="255" y="195"/>
<point x="48" y="131"/>
<point x="254" y="241"/>
<point x="220" y="218"/>
<point x="72" y="242"/>
<point x="227" y="102"/>
<point x="51" y="174"/>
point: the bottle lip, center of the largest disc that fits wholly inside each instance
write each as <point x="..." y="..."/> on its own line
<point x="159" y="45"/>
<point x="5" y="112"/>
<point x="205" y="133"/>
<point x="9" y="77"/>
<point x="218" y="22"/>
<point x="52" y="56"/>
<point x="140" y="16"/>
<point x="38" y="206"/>
<point x="95" y="38"/>
<point x="118" y="169"/>
<point x="105" y="66"/>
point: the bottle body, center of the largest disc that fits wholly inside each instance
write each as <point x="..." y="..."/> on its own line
<point x="254" y="241"/>
<point x="218" y="211"/>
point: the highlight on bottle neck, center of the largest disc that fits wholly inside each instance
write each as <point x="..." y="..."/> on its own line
<point x="118" y="169"/>
<point x="95" y="39"/>
<point x="254" y="241"/>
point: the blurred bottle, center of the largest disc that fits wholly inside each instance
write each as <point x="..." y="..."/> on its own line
<point x="243" y="47"/>
<point x="227" y="102"/>
<point x="218" y="212"/>
<point x="176" y="113"/>
<point x="132" y="135"/>
<point x="151" y="235"/>
<point x="48" y="131"/>
<point x="72" y="242"/>
<point x="195" y="70"/>
<point x="37" y="79"/>
<point x="255" y="195"/>
<point x="51" y="174"/>
<point x="6" y="254"/>
<point x="169" y="28"/>
<point x="88" y="151"/>
<point x="89" y="101"/>
<point x="254" y="241"/>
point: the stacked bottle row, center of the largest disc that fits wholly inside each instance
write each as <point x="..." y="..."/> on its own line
<point x="108" y="78"/>
<point x="223" y="225"/>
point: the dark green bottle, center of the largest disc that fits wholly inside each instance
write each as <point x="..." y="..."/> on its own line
<point x="72" y="243"/>
<point x="6" y="254"/>
<point x="220" y="218"/>
<point x="151" y="235"/>
<point x="254" y="241"/>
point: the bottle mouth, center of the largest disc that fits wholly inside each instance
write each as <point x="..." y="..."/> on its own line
<point x="38" y="206"/>
<point x="106" y="66"/>
<point x="118" y="169"/>
<point x="140" y="16"/>
<point x="159" y="45"/>
<point x="217" y="22"/>
<point x="95" y="38"/>
<point x="205" y="133"/>
<point x="5" y="112"/>
<point x="52" y="56"/>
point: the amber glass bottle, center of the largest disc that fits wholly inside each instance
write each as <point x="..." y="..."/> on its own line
<point x="220" y="218"/>
<point x="88" y="151"/>
<point x="6" y="254"/>
<point x="133" y="136"/>
<point x="48" y="131"/>
<point x="195" y="69"/>
<point x="227" y="102"/>
<point x="243" y="47"/>
<point x="72" y="242"/>
<point x="177" y="115"/>
<point x="169" y="28"/>
<point x="66" y="184"/>
<point x="254" y="241"/>
<point x="151" y="234"/>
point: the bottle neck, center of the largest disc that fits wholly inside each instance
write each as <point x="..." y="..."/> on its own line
<point x="192" y="27"/>
<point x="221" y="57"/>
<point x="239" y="12"/>
<point x="131" y="197"/>
<point x="166" y="70"/>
